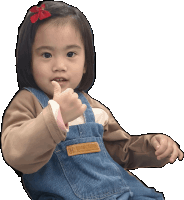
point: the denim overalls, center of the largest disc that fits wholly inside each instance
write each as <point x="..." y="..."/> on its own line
<point x="88" y="176"/>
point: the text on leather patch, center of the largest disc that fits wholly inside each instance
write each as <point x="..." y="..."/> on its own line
<point x="83" y="148"/>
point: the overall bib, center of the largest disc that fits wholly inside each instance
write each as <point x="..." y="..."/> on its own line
<point x="72" y="174"/>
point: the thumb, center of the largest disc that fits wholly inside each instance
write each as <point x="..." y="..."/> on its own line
<point x="57" y="88"/>
<point x="155" y="143"/>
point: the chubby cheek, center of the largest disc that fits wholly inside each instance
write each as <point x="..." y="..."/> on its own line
<point x="39" y="73"/>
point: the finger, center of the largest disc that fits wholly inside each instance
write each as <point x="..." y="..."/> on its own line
<point x="181" y="155"/>
<point x="166" y="153"/>
<point x="162" y="148"/>
<point x="57" y="88"/>
<point x="174" y="155"/>
<point x="155" y="143"/>
<point x="79" y="102"/>
<point x="75" y="95"/>
<point x="84" y="107"/>
<point x="68" y="90"/>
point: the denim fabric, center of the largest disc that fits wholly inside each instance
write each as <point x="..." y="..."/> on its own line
<point x="88" y="176"/>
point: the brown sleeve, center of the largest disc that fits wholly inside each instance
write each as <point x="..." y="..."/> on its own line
<point x="29" y="133"/>
<point x="130" y="152"/>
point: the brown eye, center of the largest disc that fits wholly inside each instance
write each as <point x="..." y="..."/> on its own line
<point x="46" y="55"/>
<point x="70" y="54"/>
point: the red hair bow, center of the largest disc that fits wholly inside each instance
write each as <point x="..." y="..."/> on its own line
<point x="40" y="13"/>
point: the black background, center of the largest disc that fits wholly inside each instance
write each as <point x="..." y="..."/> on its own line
<point x="138" y="77"/>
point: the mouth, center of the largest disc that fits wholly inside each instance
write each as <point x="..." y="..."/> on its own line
<point x="62" y="81"/>
<point x="59" y="79"/>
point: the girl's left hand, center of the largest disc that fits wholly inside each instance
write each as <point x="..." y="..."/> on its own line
<point x="166" y="147"/>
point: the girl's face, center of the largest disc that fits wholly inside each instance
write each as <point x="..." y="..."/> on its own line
<point x="57" y="52"/>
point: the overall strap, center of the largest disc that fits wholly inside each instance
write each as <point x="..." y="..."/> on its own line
<point x="40" y="95"/>
<point x="88" y="114"/>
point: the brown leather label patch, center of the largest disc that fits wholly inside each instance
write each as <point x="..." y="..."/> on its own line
<point x="83" y="148"/>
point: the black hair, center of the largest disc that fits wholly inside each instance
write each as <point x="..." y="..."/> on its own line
<point x="26" y="36"/>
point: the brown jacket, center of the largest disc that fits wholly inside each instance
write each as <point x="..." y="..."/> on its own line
<point x="30" y="135"/>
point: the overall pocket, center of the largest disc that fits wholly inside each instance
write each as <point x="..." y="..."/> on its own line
<point x="90" y="175"/>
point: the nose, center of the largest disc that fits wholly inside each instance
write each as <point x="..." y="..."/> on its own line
<point x="59" y="66"/>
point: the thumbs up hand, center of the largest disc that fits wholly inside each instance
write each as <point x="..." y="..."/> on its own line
<point x="71" y="107"/>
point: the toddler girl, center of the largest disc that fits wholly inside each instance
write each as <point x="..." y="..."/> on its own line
<point x="66" y="144"/>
